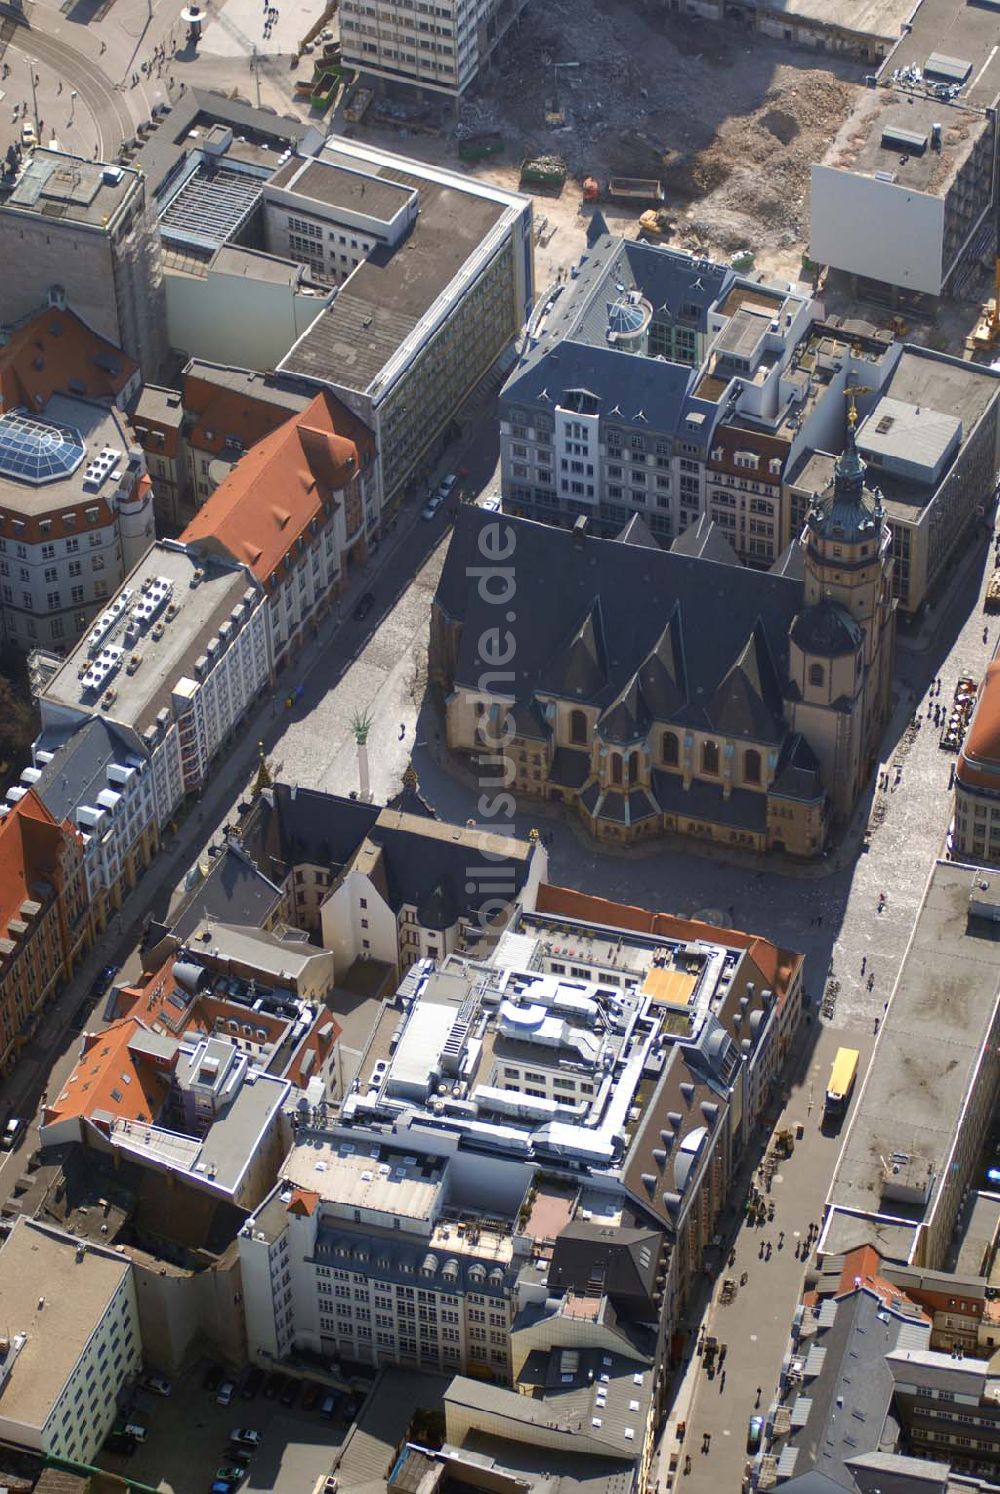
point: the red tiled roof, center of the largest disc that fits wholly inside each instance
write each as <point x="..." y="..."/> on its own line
<point x="55" y="350"/>
<point x="303" y="1201"/>
<point x="979" y="760"/>
<point x="109" y="1077"/>
<point x="220" y="413"/>
<point x="269" y="499"/>
<point x="31" y="841"/>
<point x="313" y="1043"/>
<point x="861" y="1272"/>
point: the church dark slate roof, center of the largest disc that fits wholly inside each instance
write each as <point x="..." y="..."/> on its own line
<point x="742" y="810"/>
<point x="827" y="629"/>
<point x="704" y="639"/>
<point x="626" y="719"/>
<point x="797" y="775"/>
<point x="748" y="702"/>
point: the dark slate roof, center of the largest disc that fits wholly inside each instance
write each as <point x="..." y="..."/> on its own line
<point x="569" y="768"/>
<point x="79" y="770"/>
<point x="797" y="775"/>
<point x="790" y="562"/>
<point x="626" y="719"/>
<point x="529" y="721"/>
<point x="743" y="810"/>
<point x="433" y="874"/>
<point x="719" y="634"/>
<point x="234" y="891"/>
<point x="637" y="532"/>
<point x="827" y="629"/>
<point x="623" y="386"/>
<point x="853" y="1372"/>
<point x="628" y="1257"/>
<point x="299" y="825"/>
<point x="438" y="907"/>
<point x="705" y="540"/>
<point x="748" y="702"/>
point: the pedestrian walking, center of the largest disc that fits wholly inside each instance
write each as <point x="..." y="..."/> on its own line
<point x="402" y="730"/>
<point x="757" y="1401"/>
<point x="864" y="962"/>
<point x="878" y="1021"/>
<point x="871" y="982"/>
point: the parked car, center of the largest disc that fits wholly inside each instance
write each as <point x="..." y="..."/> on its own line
<point x="245" y="1436"/>
<point x="329" y="1405"/>
<point x="12" y="1133"/>
<point x="273" y="1385"/>
<point x="157" y="1384"/>
<point x="103" y="980"/>
<point x="365" y="605"/>
<point x="221" y="1486"/>
<point x="492" y="503"/>
<point x="755" y="1430"/>
<point x="431" y="507"/>
<point x="214" y="1377"/>
<point x="233" y="1473"/>
<point x="136" y="1431"/>
<point x="310" y="1395"/>
<point x="118" y="1442"/>
<point x="28" y="135"/>
<point x="447" y="486"/>
<point x="252" y="1381"/>
<point x="290" y="1393"/>
<point x="225" y="1394"/>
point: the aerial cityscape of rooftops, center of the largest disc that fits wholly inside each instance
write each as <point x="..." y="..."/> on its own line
<point x="499" y="746"/>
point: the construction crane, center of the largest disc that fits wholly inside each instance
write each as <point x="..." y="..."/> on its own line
<point x="985" y="336"/>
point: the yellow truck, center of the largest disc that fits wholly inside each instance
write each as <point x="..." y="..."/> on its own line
<point x="842" y="1077"/>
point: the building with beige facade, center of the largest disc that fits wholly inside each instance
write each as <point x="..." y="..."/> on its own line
<point x="76" y="514"/>
<point x="613" y="693"/>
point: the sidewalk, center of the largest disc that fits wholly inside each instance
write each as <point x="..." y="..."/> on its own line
<point x="21" y="1089"/>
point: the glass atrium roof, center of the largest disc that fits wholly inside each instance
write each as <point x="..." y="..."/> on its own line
<point x="38" y="451"/>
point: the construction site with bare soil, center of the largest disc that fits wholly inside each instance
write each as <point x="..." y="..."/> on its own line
<point x="729" y="122"/>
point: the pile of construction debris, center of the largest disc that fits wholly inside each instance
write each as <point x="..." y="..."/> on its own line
<point x="731" y="123"/>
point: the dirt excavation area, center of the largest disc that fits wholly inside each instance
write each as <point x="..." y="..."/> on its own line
<point x="730" y="122"/>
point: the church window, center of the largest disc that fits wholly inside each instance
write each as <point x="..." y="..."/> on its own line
<point x="817" y="675"/>
<point x="710" y="757"/>
<point x="670" y="748"/>
<point x="616" y="768"/>
<point x="633" y="767"/>
<point x="578" y="727"/>
<point x="751" y="766"/>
